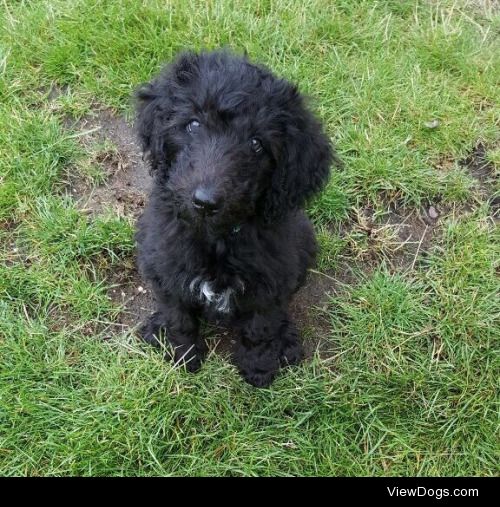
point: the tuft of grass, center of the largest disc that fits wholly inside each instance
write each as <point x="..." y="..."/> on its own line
<point x="331" y="246"/>
<point x="34" y="150"/>
<point x="62" y="234"/>
<point x="493" y="157"/>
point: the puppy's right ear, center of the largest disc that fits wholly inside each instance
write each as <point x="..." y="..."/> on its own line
<point x="154" y="108"/>
<point x="154" y="105"/>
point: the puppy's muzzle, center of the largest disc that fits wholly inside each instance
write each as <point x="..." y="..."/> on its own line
<point x="205" y="202"/>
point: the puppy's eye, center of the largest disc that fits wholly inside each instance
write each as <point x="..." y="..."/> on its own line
<point x="256" y="145"/>
<point x="192" y="126"/>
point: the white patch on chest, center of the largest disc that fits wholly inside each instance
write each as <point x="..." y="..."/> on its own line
<point x="203" y="290"/>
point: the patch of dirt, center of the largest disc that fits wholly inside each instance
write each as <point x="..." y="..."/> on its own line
<point x="308" y="310"/>
<point x="130" y="293"/>
<point x="54" y="92"/>
<point x="445" y="163"/>
<point x="478" y="164"/>
<point x="398" y="236"/>
<point x="126" y="173"/>
<point x="8" y="224"/>
<point x="124" y="193"/>
<point x="483" y="171"/>
<point x="416" y="233"/>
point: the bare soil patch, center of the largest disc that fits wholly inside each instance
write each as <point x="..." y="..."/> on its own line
<point x="400" y="237"/>
<point x="124" y="193"/>
<point x="483" y="171"/>
<point x="127" y="179"/>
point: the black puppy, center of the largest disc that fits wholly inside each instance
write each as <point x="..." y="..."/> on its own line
<point x="234" y="153"/>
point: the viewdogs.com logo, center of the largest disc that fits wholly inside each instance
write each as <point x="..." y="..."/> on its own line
<point x="437" y="493"/>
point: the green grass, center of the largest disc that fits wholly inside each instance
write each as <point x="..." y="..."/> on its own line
<point x="412" y="385"/>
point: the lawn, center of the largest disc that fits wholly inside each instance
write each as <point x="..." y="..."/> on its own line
<point x="400" y="316"/>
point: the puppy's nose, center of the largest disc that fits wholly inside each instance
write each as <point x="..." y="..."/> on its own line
<point x="205" y="201"/>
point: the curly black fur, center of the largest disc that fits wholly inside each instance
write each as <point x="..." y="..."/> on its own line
<point x="217" y="124"/>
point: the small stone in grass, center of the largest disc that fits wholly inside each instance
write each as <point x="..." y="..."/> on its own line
<point x="433" y="124"/>
<point x="433" y="213"/>
<point x="140" y="289"/>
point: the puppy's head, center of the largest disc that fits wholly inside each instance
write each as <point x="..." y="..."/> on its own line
<point x="230" y="141"/>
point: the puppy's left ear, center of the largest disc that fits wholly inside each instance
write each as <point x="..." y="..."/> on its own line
<point x="303" y="164"/>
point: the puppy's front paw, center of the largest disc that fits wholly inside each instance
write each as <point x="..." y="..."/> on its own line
<point x="292" y="354"/>
<point x="190" y="357"/>
<point x="151" y="330"/>
<point x="259" y="379"/>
